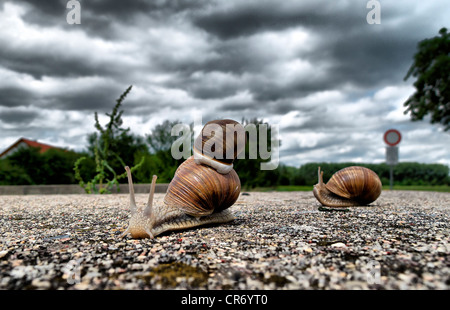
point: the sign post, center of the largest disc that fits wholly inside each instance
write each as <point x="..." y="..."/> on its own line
<point x="392" y="137"/>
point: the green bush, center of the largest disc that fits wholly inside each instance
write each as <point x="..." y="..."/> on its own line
<point x="28" y="166"/>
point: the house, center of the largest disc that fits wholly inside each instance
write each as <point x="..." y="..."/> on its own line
<point x="22" y="142"/>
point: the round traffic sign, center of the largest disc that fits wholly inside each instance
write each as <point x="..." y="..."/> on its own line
<point x="392" y="137"/>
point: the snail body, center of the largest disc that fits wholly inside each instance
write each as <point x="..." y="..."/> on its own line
<point x="351" y="186"/>
<point x="200" y="192"/>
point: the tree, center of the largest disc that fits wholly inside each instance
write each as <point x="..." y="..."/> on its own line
<point x="160" y="161"/>
<point x="431" y="67"/>
<point x="160" y="138"/>
<point x="249" y="169"/>
<point x="28" y="166"/>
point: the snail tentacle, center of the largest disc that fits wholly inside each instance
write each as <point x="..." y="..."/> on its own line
<point x="320" y="177"/>
<point x="133" y="207"/>
<point x="149" y="208"/>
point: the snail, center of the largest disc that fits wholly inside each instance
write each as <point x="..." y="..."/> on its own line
<point x="351" y="186"/>
<point x="203" y="188"/>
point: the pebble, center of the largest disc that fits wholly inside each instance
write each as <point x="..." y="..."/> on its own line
<point x="279" y="240"/>
<point x="41" y="284"/>
<point x="338" y="245"/>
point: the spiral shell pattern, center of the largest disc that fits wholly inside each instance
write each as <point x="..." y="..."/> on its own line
<point x="224" y="147"/>
<point x="355" y="183"/>
<point x="199" y="190"/>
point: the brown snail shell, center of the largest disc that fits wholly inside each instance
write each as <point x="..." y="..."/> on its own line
<point x="219" y="144"/>
<point x="351" y="186"/>
<point x="197" y="195"/>
<point x="199" y="190"/>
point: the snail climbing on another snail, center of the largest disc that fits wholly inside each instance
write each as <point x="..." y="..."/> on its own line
<point x="203" y="188"/>
<point x="351" y="186"/>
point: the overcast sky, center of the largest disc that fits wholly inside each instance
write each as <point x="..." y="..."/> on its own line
<point x="332" y="82"/>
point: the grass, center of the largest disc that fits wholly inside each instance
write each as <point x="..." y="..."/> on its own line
<point x="306" y="188"/>
<point x="431" y="188"/>
<point x="281" y="188"/>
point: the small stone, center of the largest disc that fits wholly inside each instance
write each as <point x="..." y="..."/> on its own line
<point x="3" y="253"/>
<point x="307" y="249"/>
<point x="77" y="255"/>
<point x="338" y="245"/>
<point x="16" y="262"/>
<point x="41" y="284"/>
<point x="81" y="286"/>
<point x="136" y="266"/>
<point x="442" y="249"/>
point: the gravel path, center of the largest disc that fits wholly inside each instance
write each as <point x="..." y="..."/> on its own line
<point x="279" y="240"/>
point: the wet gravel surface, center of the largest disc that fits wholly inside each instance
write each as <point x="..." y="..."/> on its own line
<point x="278" y="241"/>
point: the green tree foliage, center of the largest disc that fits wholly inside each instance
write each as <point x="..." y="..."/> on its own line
<point x="11" y="174"/>
<point x="28" y="166"/>
<point x="249" y="170"/>
<point x="431" y="67"/>
<point x="161" y="164"/>
<point x="160" y="138"/>
<point x="159" y="160"/>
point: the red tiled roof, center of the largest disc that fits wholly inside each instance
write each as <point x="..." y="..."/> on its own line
<point x="30" y="143"/>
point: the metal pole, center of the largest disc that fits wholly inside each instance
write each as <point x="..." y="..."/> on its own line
<point x="391" y="177"/>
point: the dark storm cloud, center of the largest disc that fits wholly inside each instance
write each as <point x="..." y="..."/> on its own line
<point x="250" y="17"/>
<point x="53" y="13"/>
<point x="367" y="59"/>
<point x="266" y="91"/>
<point x="39" y="64"/>
<point x="357" y="53"/>
<point x="225" y="58"/>
<point x="127" y="9"/>
<point x="237" y="106"/>
<point x="101" y="17"/>
<point x="98" y="97"/>
<point x="201" y="92"/>
<point x="347" y="50"/>
<point x="48" y="7"/>
<point x="245" y="21"/>
<point x="15" y="96"/>
<point x="18" y="117"/>
<point x="101" y="98"/>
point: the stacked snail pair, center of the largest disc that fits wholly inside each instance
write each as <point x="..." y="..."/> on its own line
<point x="205" y="185"/>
